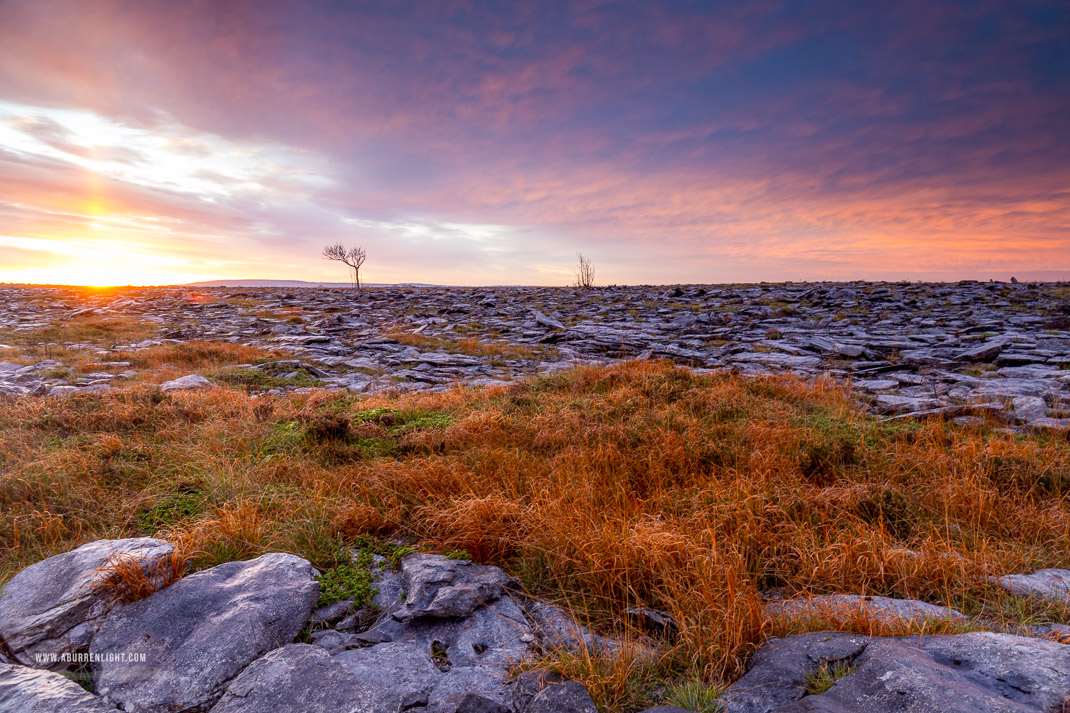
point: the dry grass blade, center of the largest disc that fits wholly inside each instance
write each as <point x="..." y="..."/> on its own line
<point x="125" y="578"/>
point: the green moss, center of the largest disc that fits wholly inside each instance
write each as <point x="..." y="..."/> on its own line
<point x="347" y="581"/>
<point x="398" y="422"/>
<point x="171" y="509"/>
<point x="259" y="380"/>
<point x="367" y="546"/>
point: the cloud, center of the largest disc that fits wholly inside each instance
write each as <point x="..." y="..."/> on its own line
<point x="673" y="142"/>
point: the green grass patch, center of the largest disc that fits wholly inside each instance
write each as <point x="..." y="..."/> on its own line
<point x="825" y="676"/>
<point x="251" y="379"/>
<point x="694" y="694"/>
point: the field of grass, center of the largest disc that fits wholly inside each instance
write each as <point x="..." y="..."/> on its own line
<point x="602" y="488"/>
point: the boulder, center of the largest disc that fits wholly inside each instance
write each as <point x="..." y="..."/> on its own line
<point x="444" y="659"/>
<point x="200" y="632"/>
<point x="883" y="609"/>
<point x="185" y="383"/>
<point x="1051" y="584"/>
<point x="568" y="697"/>
<point x="1030" y="408"/>
<point x="776" y="675"/>
<point x="53" y="607"/>
<point x="963" y="673"/>
<point x="303" y="678"/>
<point x="436" y="586"/>
<point x="27" y="690"/>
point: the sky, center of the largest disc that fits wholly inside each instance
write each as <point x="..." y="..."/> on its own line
<point x="476" y="143"/>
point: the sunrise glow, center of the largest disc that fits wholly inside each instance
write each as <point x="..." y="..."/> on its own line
<point x="159" y="144"/>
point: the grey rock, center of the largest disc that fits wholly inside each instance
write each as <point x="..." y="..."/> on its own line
<point x="475" y="703"/>
<point x="883" y="609"/>
<point x="445" y="658"/>
<point x="438" y="359"/>
<point x="330" y="613"/>
<point x="554" y="629"/>
<point x="891" y="403"/>
<point x="652" y="621"/>
<point x="185" y="383"/>
<point x="299" y="677"/>
<point x="962" y="673"/>
<point x="27" y="690"/>
<point x="202" y="631"/>
<point x="437" y="586"/>
<point x="1051" y="584"/>
<point x="334" y="641"/>
<point x="527" y="686"/>
<point x="543" y="320"/>
<point x="1030" y="408"/>
<point x="53" y="607"/>
<point x="569" y="697"/>
<point x="776" y="674"/>
<point x="1055" y="424"/>
<point x="985" y="352"/>
<point x="890" y="331"/>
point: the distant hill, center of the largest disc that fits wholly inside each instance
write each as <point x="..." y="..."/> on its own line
<point x="293" y="283"/>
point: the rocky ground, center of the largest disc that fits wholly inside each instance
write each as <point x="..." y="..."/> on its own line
<point x="446" y="635"/>
<point x="443" y="635"/>
<point x="963" y="350"/>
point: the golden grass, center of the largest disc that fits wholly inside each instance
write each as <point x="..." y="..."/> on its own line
<point x="127" y="578"/>
<point x="637" y="484"/>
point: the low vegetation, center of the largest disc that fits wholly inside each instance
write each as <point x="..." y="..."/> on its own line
<point x="471" y="346"/>
<point x="634" y="485"/>
<point x="825" y="676"/>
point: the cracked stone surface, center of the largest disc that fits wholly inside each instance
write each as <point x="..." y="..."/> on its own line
<point x="447" y="635"/>
<point x="200" y="632"/>
<point x="963" y="673"/>
<point x="304" y="678"/>
<point x="906" y="348"/>
<point x="53" y="606"/>
<point x="27" y="690"/>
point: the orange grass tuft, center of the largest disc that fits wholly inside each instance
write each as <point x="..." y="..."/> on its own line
<point x="125" y="578"/>
<point x="636" y="484"/>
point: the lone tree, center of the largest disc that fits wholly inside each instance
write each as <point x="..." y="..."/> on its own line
<point x="585" y="273"/>
<point x="354" y="258"/>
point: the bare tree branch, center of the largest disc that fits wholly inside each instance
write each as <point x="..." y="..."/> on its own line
<point x="585" y="273"/>
<point x="354" y="258"/>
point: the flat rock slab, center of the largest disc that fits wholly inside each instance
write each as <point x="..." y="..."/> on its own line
<point x="569" y="697"/>
<point x="27" y="690"/>
<point x="186" y="383"/>
<point x="556" y="630"/>
<point x="1051" y="584"/>
<point x="53" y="607"/>
<point x="304" y="678"/>
<point x="882" y="609"/>
<point x="202" y="631"/>
<point x="964" y="673"/>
